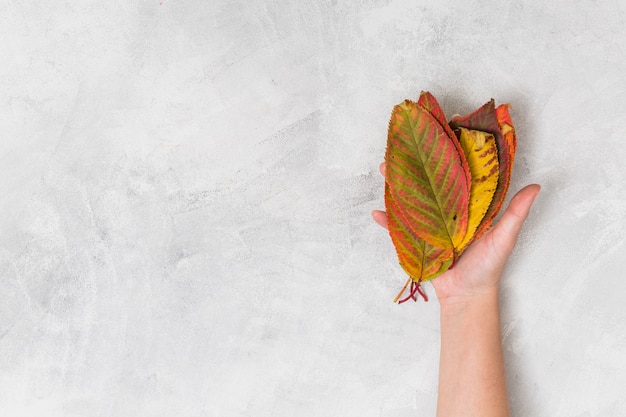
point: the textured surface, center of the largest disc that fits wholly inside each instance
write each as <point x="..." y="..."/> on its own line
<point x="185" y="198"/>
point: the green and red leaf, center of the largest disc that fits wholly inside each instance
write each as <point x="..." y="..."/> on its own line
<point x="426" y="177"/>
<point x="420" y="260"/>
<point x="428" y="102"/>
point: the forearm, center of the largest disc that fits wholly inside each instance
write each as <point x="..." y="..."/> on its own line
<point x="471" y="372"/>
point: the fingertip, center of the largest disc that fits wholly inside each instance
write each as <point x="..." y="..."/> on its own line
<point x="533" y="190"/>
<point x="535" y="187"/>
<point x="537" y="192"/>
<point x="380" y="217"/>
<point x="382" y="168"/>
<point x="527" y="194"/>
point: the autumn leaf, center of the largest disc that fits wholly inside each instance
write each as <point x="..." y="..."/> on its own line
<point x="482" y="157"/>
<point x="485" y="119"/>
<point x="506" y="128"/>
<point x="430" y="104"/>
<point x="426" y="177"/>
<point x="420" y="260"/>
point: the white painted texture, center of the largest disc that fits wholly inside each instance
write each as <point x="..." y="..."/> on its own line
<point x="186" y="192"/>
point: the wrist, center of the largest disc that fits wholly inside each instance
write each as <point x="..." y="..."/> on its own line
<point x="484" y="298"/>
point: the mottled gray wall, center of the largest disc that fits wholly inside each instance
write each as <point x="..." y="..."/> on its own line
<point x="186" y="192"/>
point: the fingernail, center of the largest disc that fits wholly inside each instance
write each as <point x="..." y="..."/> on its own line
<point x="536" y="194"/>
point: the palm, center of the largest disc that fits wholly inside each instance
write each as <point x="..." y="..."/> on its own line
<point x="480" y="266"/>
<point x="477" y="269"/>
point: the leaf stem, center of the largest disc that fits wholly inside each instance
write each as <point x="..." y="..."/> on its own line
<point x="416" y="287"/>
<point x="395" y="300"/>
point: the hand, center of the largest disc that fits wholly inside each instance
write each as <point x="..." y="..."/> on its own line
<point x="479" y="269"/>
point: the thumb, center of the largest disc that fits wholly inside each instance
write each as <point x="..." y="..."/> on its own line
<point x="511" y="222"/>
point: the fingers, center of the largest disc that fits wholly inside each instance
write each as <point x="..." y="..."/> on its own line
<point x="511" y="222"/>
<point x="380" y="217"/>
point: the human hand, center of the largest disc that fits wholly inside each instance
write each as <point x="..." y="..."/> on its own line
<point x="478" y="270"/>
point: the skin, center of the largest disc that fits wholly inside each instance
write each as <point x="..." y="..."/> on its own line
<point x="472" y="378"/>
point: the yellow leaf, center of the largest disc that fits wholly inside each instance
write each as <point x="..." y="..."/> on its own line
<point x="482" y="157"/>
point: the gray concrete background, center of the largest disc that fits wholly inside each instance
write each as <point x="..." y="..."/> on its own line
<point x="186" y="192"/>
